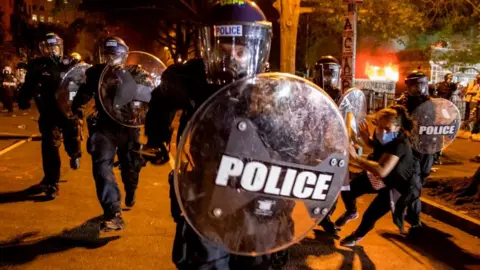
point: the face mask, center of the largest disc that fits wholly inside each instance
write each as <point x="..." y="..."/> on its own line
<point x="386" y="137"/>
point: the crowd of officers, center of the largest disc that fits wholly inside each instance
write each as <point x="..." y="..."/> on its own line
<point x="392" y="166"/>
<point x="12" y="80"/>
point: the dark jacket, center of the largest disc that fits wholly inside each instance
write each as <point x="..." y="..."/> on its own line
<point x="41" y="83"/>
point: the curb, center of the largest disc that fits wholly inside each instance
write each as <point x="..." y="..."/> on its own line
<point x="451" y="217"/>
<point x="10" y="136"/>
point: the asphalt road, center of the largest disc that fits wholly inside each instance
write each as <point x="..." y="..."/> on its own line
<point x="63" y="234"/>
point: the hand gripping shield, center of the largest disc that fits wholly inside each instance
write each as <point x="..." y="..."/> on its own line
<point x="69" y="87"/>
<point x="261" y="163"/>
<point x="436" y="124"/>
<point x="125" y="90"/>
<point x="353" y="107"/>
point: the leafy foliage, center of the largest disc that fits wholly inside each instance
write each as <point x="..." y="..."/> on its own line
<point x="415" y="24"/>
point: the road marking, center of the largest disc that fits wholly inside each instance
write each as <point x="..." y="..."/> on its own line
<point x="171" y="161"/>
<point x="13" y="146"/>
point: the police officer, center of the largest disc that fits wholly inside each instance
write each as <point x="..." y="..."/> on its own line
<point x="41" y="83"/>
<point x="417" y="93"/>
<point x="327" y="76"/>
<point x="8" y="87"/>
<point x="107" y="137"/>
<point x="228" y="55"/>
<point x="20" y="73"/>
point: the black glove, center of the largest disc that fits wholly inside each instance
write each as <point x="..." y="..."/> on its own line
<point x="155" y="155"/>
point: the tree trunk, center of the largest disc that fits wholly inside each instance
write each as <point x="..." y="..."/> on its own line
<point x="289" y="15"/>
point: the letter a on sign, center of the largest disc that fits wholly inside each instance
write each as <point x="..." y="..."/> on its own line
<point x="348" y="25"/>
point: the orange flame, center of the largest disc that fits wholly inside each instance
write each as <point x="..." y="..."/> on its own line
<point x="386" y="73"/>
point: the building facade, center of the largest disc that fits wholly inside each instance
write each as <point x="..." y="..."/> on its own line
<point x="45" y="11"/>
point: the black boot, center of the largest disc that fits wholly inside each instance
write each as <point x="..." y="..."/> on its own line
<point x="52" y="191"/>
<point x="130" y="198"/>
<point x="39" y="188"/>
<point x="113" y="223"/>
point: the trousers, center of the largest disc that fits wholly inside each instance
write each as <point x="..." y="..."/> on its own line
<point x="103" y="144"/>
<point x="53" y="130"/>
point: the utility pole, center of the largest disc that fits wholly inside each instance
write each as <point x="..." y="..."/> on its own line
<point x="349" y="44"/>
<point x="290" y="11"/>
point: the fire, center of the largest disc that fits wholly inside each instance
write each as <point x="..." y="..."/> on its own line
<point x="386" y="73"/>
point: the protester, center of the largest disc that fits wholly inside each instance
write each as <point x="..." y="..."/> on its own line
<point x="391" y="167"/>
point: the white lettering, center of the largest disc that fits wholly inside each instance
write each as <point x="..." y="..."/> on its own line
<point x="229" y="166"/>
<point x="258" y="177"/>
<point x="272" y="181"/>
<point x="436" y="130"/>
<point x="422" y="129"/>
<point x="300" y="190"/>
<point x="71" y="95"/>
<point x="322" y="186"/>
<point x="254" y="176"/>
<point x="451" y="130"/>
<point x="228" y="30"/>
<point x="288" y="183"/>
<point x="111" y="44"/>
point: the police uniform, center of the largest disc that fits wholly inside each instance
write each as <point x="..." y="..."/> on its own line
<point x="41" y="83"/>
<point x="8" y="87"/>
<point x="327" y="76"/>
<point x="185" y="87"/>
<point x="423" y="163"/>
<point x="108" y="138"/>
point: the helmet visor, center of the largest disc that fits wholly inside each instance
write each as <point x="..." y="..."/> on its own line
<point x="233" y="51"/>
<point x="113" y="53"/>
<point x="52" y="47"/>
<point x="327" y="75"/>
<point x="417" y="86"/>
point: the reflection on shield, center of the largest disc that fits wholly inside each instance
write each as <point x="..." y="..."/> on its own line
<point x="436" y="123"/>
<point x="261" y="163"/>
<point x="353" y="107"/>
<point x="150" y="63"/>
<point x="126" y="90"/>
<point x="69" y="87"/>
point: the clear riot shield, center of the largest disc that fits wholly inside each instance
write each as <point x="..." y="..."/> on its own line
<point x="126" y="90"/>
<point x="69" y="86"/>
<point x="353" y="107"/>
<point x="261" y="163"/>
<point x="436" y="123"/>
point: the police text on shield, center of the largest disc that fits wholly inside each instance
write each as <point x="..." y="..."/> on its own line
<point x="255" y="176"/>
<point x="436" y="130"/>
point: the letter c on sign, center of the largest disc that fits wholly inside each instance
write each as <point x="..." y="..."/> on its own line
<point x="300" y="190"/>
<point x="254" y="176"/>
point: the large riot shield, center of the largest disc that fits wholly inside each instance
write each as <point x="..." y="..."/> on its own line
<point x="125" y="90"/>
<point x="436" y="123"/>
<point x="261" y="163"/>
<point x="69" y="86"/>
<point x="353" y="107"/>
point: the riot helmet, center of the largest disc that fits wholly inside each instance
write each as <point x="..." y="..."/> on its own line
<point x="417" y="83"/>
<point x="114" y="51"/>
<point x="235" y="41"/>
<point x="75" y="57"/>
<point x="327" y="72"/>
<point x="52" y="46"/>
<point x="21" y="72"/>
<point x="7" y="70"/>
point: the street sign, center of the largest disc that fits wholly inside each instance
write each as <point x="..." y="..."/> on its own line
<point x="348" y="50"/>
